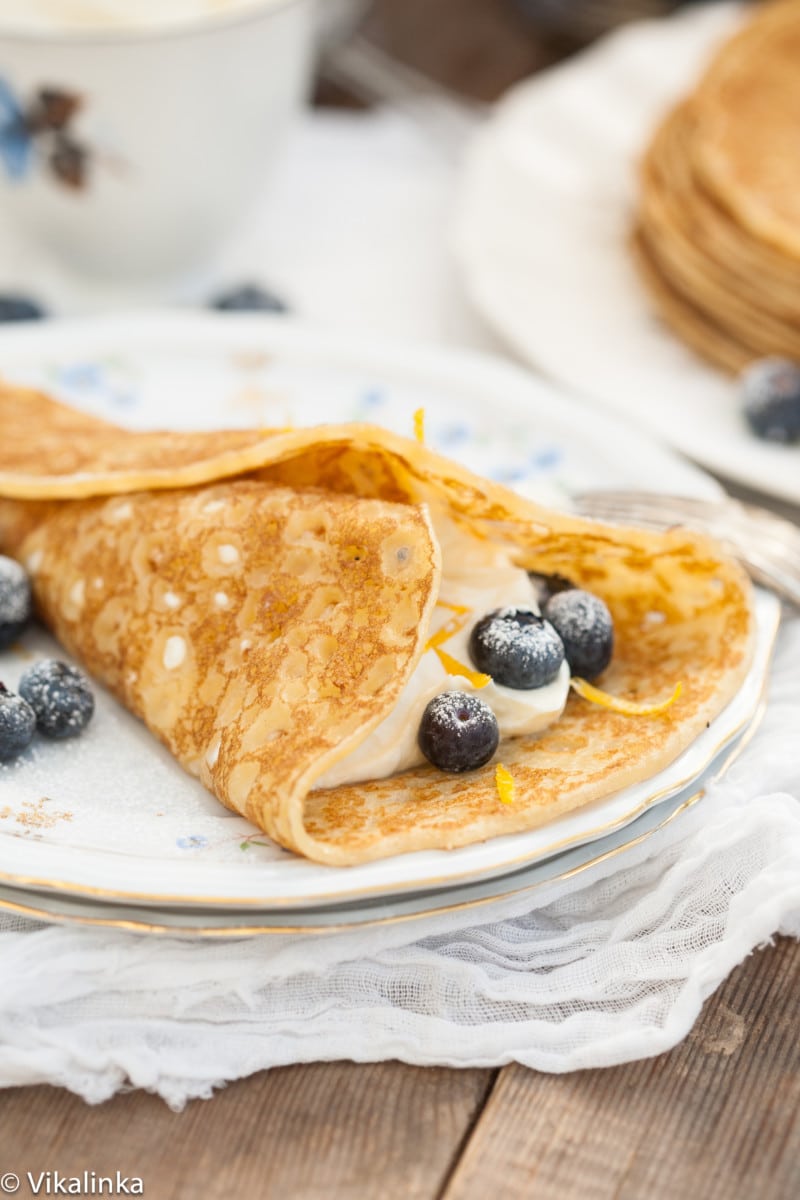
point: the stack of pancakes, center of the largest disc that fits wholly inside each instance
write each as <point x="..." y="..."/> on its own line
<point x="717" y="232"/>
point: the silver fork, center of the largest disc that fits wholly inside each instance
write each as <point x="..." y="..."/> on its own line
<point x="767" y="546"/>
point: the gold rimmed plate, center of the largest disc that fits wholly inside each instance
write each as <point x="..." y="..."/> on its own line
<point x="111" y="817"/>
<point x="476" y="898"/>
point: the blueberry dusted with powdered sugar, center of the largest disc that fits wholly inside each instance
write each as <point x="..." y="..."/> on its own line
<point x="249" y="297"/>
<point x="17" y="724"/>
<point x="548" y="585"/>
<point x="19" y="308"/>
<point x="16" y="605"/>
<point x="518" y="648"/>
<point x="584" y="625"/>
<point x="458" y="732"/>
<point x="771" y="399"/>
<point x="60" y="697"/>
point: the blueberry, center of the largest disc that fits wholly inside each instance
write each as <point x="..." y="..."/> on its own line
<point x="19" y="308"/>
<point x="517" y="648"/>
<point x="548" y="585"/>
<point x="770" y="391"/>
<point x="458" y="732"/>
<point x="60" y="696"/>
<point x="584" y="625"/>
<point x="16" y="604"/>
<point x="17" y="724"/>
<point x="248" y="298"/>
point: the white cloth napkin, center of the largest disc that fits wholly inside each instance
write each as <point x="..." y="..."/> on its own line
<point x="611" y="967"/>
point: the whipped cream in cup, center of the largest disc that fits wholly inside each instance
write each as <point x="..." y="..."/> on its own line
<point x="136" y="134"/>
<point x="30" y="16"/>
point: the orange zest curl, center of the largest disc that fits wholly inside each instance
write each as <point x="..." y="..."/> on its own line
<point x="454" y="667"/>
<point x="504" y="782"/>
<point x="628" y="708"/>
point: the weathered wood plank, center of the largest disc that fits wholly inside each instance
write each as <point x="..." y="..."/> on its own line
<point x="716" y="1118"/>
<point x="476" y="47"/>
<point x="330" y="1129"/>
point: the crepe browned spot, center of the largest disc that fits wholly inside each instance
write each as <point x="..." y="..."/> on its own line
<point x="263" y="625"/>
<point x="718" y="218"/>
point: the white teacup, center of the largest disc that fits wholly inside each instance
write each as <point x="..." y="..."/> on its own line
<point x="134" y="133"/>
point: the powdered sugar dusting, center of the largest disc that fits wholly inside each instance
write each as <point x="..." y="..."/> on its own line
<point x="17" y="724"/>
<point x="60" y="696"/>
<point x="15" y="592"/>
<point x="458" y="732"/>
<point x="506" y="632"/>
<point x="455" y="709"/>
<point x="518" y="648"/>
<point x="579" y="614"/>
<point x="585" y="627"/>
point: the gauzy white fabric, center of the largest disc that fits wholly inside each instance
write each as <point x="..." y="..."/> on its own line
<point x="610" y="967"/>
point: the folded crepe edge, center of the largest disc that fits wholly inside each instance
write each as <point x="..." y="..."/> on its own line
<point x="540" y="539"/>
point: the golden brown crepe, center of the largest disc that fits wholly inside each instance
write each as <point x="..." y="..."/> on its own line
<point x="746" y="153"/>
<point x="264" y="620"/>
<point x="717" y="228"/>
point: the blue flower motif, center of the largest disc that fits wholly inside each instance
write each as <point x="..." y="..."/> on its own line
<point x="106" y="382"/>
<point x="123" y="399"/>
<point x="193" y="841"/>
<point x="547" y="459"/>
<point x="371" y="399"/>
<point x="508" y="474"/>
<point x="15" y="138"/>
<point x="81" y="376"/>
<point x="453" y="435"/>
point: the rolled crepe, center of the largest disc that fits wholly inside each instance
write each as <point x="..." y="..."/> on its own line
<point x="260" y="599"/>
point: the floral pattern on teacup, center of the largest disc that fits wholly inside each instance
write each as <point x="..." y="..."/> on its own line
<point x="192" y="841"/>
<point x="41" y="130"/>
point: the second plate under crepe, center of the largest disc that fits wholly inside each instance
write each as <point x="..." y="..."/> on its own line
<point x="111" y="815"/>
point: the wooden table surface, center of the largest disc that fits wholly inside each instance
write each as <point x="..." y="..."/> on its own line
<point x="715" y="1118"/>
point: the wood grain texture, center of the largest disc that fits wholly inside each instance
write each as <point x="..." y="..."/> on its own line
<point x="327" y="1129"/>
<point x="476" y="47"/>
<point x="717" y="1117"/>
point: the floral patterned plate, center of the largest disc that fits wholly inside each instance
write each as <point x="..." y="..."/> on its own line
<point x="111" y="815"/>
<point x="477" y="897"/>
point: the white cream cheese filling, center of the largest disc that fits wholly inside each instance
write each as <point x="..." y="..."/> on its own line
<point x="479" y="577"/>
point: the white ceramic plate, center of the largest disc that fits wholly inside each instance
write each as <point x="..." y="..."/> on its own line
<point x="541" y="236"/>
<point x="111" y="814"/>
<point x="227" y="922"/>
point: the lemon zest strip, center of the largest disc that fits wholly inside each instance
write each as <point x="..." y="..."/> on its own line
<point x="454" y="667"/>
<point x="456" y="608"/>
<point x="451" y="664"/>
<point x="504" y="782"/>
<point x="453" y="626"/>
<point x="419" y="426"/>
<point x="628" y="708"/>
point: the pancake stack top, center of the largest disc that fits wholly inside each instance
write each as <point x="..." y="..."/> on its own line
<point x="717" y="234"/>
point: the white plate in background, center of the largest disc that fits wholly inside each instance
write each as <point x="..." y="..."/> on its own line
<point x="543" y="220"/>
